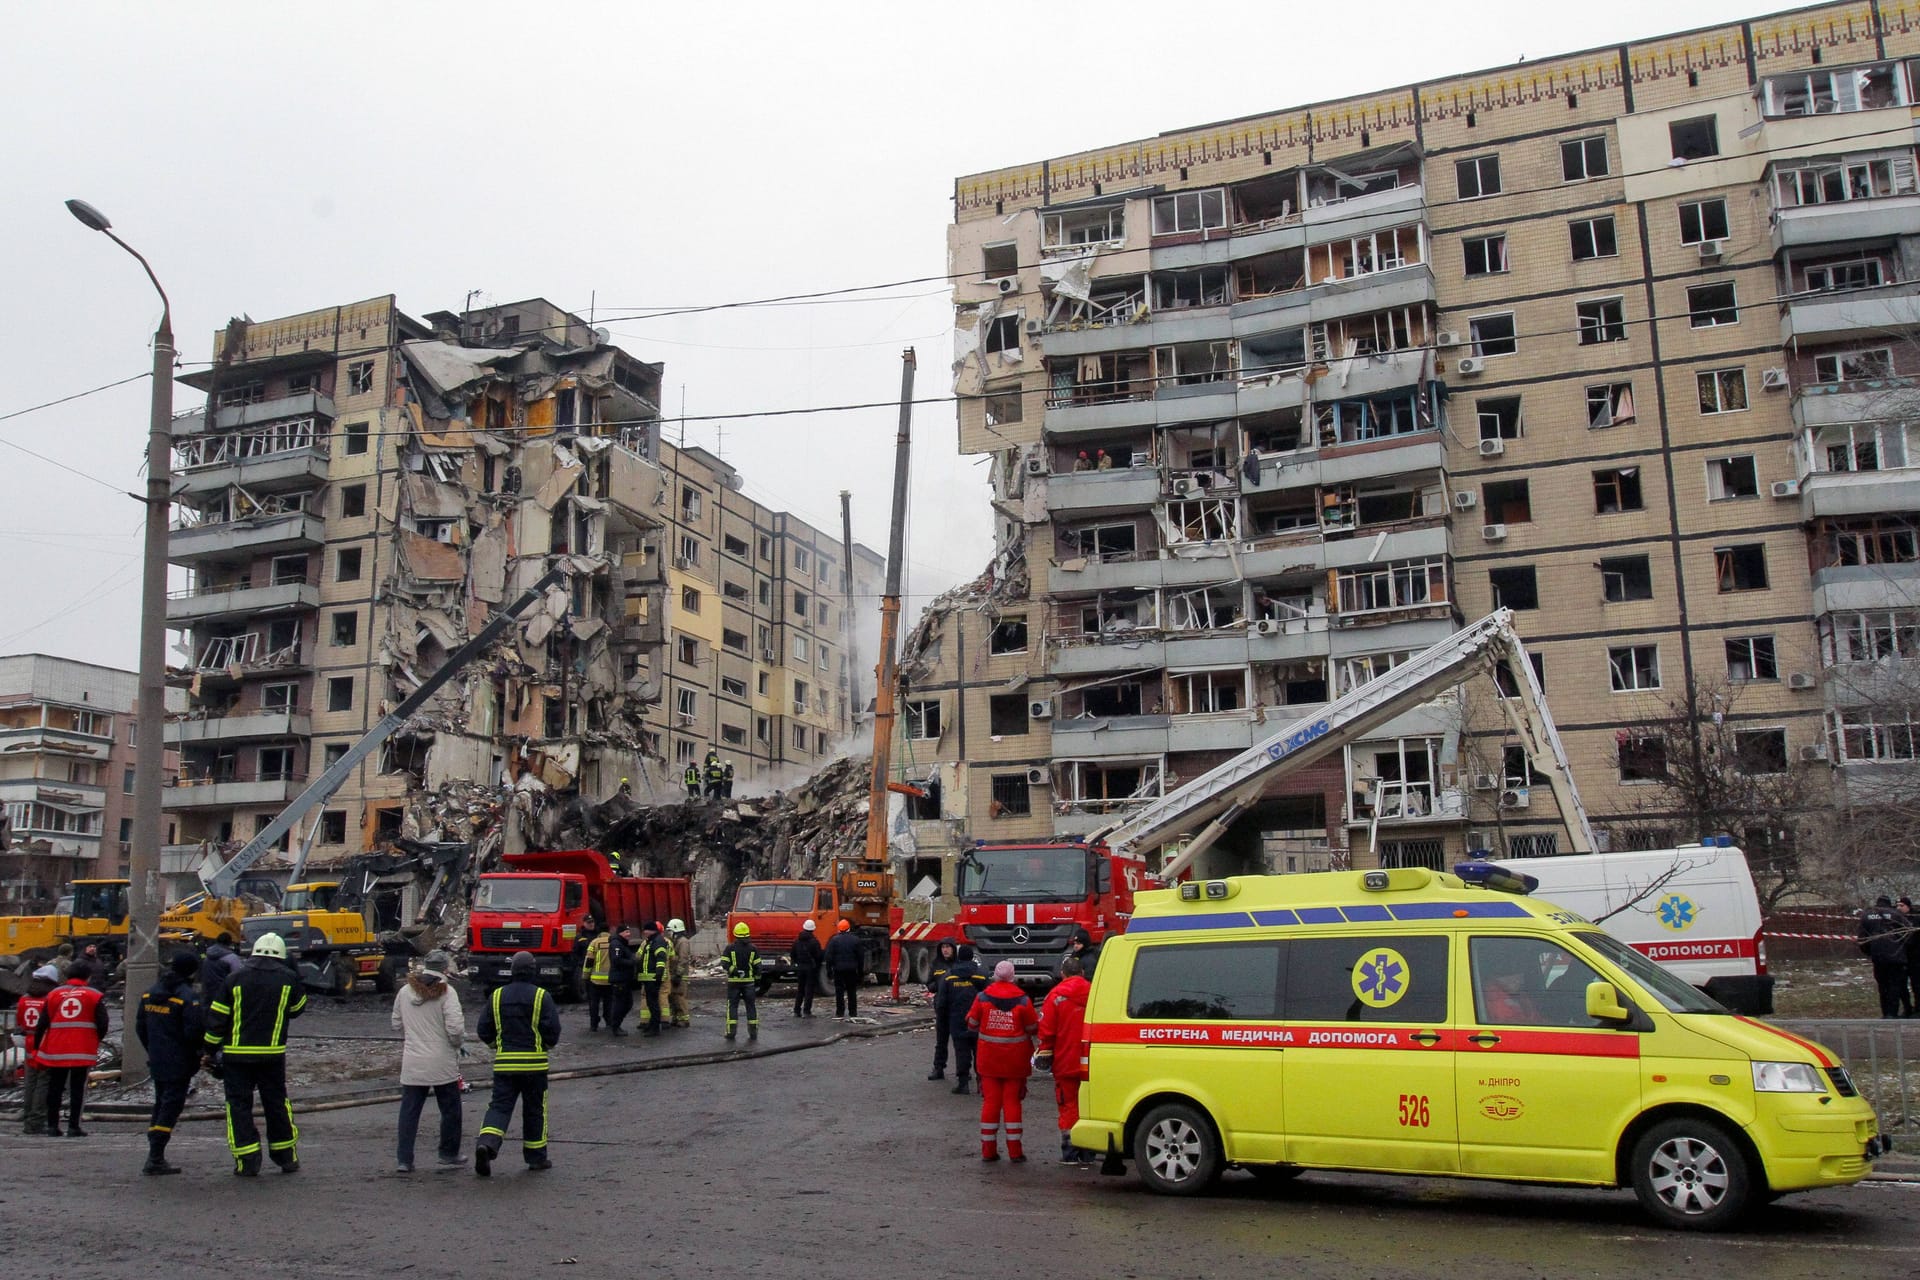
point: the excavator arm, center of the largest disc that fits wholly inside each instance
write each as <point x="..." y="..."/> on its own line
<point x="1218" y="797"/>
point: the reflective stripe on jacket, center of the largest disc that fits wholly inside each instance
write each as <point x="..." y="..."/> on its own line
<point x="599" y="963"/>
<point x="522" y="1023"/>
<point x="72" y="1022"/>
<point x="1004" y="1020"/>
<point x="249" y="1017"/>
<point x="743" y="962"/>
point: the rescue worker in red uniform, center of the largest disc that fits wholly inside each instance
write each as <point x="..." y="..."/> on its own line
<point x="1003" y="1019"/>
<point x="1063" y="1016"/>
<point x="27" y="1013"/>
<point x="247" y="1027"/>
<point x="72" y="1025"/>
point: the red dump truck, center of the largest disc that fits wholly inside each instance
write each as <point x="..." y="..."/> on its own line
<point x="539" y="904"/>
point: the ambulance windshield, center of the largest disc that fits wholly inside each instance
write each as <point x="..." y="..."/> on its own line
<point x="1674" y="993"/>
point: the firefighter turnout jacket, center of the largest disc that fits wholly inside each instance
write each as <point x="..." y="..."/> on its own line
<point x="72" y="1024"/>
<point x="598" y="965"/>
<point x="248" y="1018"/>
<point x="654" y="955"/>
<point x="742" y="961"/>
<point x="522" y="1023"/>
<point x="170" y="1025"/>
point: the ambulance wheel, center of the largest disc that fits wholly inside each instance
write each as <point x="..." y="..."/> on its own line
<point x="1176" y="1150"/>
<point x="1691" y="1174"/>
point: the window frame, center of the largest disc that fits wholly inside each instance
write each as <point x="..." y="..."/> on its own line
<point x="1585" y="155"/>
<point x="1642" y="663"/>
<point x="1479" y="167"/>
<point x="1592" y="226"/>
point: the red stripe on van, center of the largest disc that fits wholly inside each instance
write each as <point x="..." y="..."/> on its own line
<point x="1819" y="1055"/>
<point x="1365" y="1035"/>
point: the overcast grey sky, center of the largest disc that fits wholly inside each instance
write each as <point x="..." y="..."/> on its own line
<point x="270" y="159"/>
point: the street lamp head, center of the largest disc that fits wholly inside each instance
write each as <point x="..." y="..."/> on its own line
<point x="89" y="217"/>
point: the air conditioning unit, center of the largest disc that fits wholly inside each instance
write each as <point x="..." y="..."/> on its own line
<point x="1493" y="448"/>
<point x="1186" y="487"/>
<point x="1266" y="627"/>
<point x="1774" y="379"/>
<point x="1813" y="753"/>
<point x="1785" y="488"/>
<point x="1035" y="328"/>
<point x="1040" y="709"/>
<point x="683" y="562"/>
<point x="1494" y="532"/>
<point x="1485" y="782"/>
<point x="767" y="655"/>
<point x="1039" y="778"/>
<point x="1514" y="798"/>
<point x="1465" y="499"/>
<point x="1447" y="338"/>
<point x="1710" y="250"/>
<point x="1036" y="466"/>
<point x="1008" y="284"/>
<point x="1467" y="366"/>
<point x="1800" y="680"/>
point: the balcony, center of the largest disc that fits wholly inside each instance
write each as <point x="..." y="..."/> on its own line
<point x="1109" y="737"/>
<point x="185" y="608"/>
<point x="1824" y="317"/>
<point x="1220" y="730"/>
<point x="307" y="404"/>
<point x="297" y="468"/>
<point x="238" y="727"/>
<point x="1883" y="218"/>
<point x="1358" y="215"/>
<point x="1368" y="460"/>
<point x="1859" y="493"/>
<point x="226" y="794"/>
<point x="62" y="743"/>
<point x="1092" y="493"/>
<point x="1825" y="404"/>
<point x="247" y="538"/>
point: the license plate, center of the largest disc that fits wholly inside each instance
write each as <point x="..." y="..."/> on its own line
<point x="1024" y="962"/>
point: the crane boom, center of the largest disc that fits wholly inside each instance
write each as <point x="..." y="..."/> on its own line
<point x="886" y="675"/>
<point x="1223" y="793"/>
<point x="223" y="882"/>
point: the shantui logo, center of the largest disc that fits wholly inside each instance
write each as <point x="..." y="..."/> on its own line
<point x="1502" y="1106"/>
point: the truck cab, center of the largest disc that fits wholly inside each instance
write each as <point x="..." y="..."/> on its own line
<point x="539" y="905"/>
<point x="775" y="911"/>
<point x="1024" y="902"/>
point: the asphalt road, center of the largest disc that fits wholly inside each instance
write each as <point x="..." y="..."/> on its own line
<point x="842" y="1161"/>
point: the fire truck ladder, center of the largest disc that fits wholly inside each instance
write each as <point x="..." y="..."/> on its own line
<point x="1219" y="796"/>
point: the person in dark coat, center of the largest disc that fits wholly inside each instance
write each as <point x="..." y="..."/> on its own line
<point x="522" y="1024"/>
<point x="1883" y="940"/>
<point x="219" y="966"/>
<point x="952" y="1004"/>
<point x="843" y="962"/>
<point x="943" y="957"/>
<point x="807" y="955"/>
<point x="622" y="969"/>
<point x="1083" y="949"/>
<point x="171" y="1025"/>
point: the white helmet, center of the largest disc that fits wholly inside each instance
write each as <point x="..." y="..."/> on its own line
<point x="676" y="925"/>
<point x="270" y="944"/>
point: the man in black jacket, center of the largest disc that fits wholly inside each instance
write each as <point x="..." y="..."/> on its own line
<point x="622" y="965"/>
<point x="247" y="1027"/>
<point x="943" y="958"/>
<point x="843" y="962"/>
<point x="522" y="1023"/>
<point x="170" y="1025"/>
<point x="807" y="956"/>
<point x="1883" y="940"/>
<point x="952" y="1004"/>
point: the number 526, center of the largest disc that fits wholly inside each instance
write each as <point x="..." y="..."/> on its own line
<point x="1413" y="1111"/>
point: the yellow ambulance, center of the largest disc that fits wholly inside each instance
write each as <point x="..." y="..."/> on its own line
<point x="1411" y="1022"/>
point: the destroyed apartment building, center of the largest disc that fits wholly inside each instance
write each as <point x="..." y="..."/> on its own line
<point x="364" y="488"/>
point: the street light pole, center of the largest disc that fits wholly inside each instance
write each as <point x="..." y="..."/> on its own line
<point x="143" y="871"/>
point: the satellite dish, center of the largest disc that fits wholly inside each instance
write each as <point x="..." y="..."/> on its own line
<point x="603" y="336"/>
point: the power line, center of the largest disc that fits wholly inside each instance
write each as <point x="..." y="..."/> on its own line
<point x="90" y="596"/>
<point x="78" y="395"/>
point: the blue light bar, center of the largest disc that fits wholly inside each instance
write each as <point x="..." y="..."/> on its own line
<point x="1489" y="875"/>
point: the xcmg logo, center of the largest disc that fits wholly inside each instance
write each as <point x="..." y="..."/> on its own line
<point x="1294" y="741"/>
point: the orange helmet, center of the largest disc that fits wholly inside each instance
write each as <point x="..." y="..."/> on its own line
<point x="842" y="927"/>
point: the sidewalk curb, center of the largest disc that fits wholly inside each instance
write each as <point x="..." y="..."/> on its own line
<point x="111" y="1112"/>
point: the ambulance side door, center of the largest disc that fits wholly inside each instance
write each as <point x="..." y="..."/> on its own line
<point x="1544" y="1089"/>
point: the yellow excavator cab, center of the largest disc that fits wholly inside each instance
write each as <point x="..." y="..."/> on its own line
<point x="314" y="895"/>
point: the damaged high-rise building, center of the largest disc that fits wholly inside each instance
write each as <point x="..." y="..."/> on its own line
<point x="1622" y="340"/>
<point x="363" y="488"/>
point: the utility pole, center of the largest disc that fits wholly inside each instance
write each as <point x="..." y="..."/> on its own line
<point x="885" y="674"/>
<point x="846" y="611"/>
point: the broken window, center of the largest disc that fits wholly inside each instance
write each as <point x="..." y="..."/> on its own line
<point x="799" y="737"/>
<point x="1741" y="568"/>
<point x="1477" y="177"/>
<point x="1601" y="320"/>
<point x="801" y="691"/>
<point x="353" y="501"/>
<point x="1593" y="238"/>
<point x="687" y="650"/>
<point x="1506" y="502"/>
<point x="1694" y="139"/>
<point x="1190" y="211"/>
<point x="279" y="697"/>
<point x="690" y="502"/>
<point x="340" y="693"/>
<point x="686" y="704"/>
<point x="766" y="547"/>
<point x="1634" y="668"/>
<point x="734" y="640"/>
<point x="346" y="628"/>
<point x="1352" y="672"/>
<point x="1204" y="609"/>
<point x="1499" y="418"/>
<point x="1389" y="505"/>
<point x="765" y="593"/>
<point x="1703" y="220"/>
<point x="1103" y="225"/>
<point x="276" y="765"/>
<point x="1295" y="684"/>
<point x="1847" y="273"/>
<point x="360" y="378"/>
<point x="1751" y="658"/>
<point x="690" y="599"/>
<point x="1121" y="698"/>
<point x="1363" y="255"/>
<point x="1722" y="390"/>
<point x="733" y="591"/>
<point x="1507" y="685"/>
<point x="1202" y="520"/>
<point x="1206" y="692"/>
<point x="1485" y="255"/>
<point x="689" y="557"/>
<point x="1861" y="179"/>
<point x="1350" y="421"/>
<point x="1515" y="587"/>
<point x="801" y="602"/>
<point x="1399" y="585"/>
<point x="1610" y="404"/>
<point x="333" y="826"/>
<point x="1821" y="92"/>
<point x="241" y="393"/>
<point x="734" y="546"/>
<point x="763" y="730"/>
<point x="1201" y="287"/>
<point x="1734" y="477"/>
<point x="1643" y="758"/>
<point x="998" y="261"/>
<point x="733" y="735"/>
<point x="1009" y="796"/>
<point x="1106" y="543"/>
<point x="1583" y="158"/>
<point x="1398" y="781"/>
<point x="1865" y="540"/>
<point x="1105" y="615"/>
<point x="1102" y="787"/>
<point x="1266" y="275"/>
<point x="1193" y="363"/>
<point x="1003" y="335"/>
<point x="923" y="718"/>
<point x="1854" y="366"/>
<point x="1286" y="513"/>
<point x="1625" y="578"/>
<point x="1709" y="305"/>
<point x="1493" y="335"/>
<point x="1007" y="715"/>
<point x="1009" y="636"/>
<point x="1617" y="490"/>
<point x="1760" y="751"/>
<point x="733" y="686"/>
<point x="1266" y="353"/>
<point x="1888" y="733"/>
<point x="356" y="437"/>
<point x="1003" y="407"/>
<point x="1861" y="446"/>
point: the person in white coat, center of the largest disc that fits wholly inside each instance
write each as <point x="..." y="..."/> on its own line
<point x="427" y="1010"/>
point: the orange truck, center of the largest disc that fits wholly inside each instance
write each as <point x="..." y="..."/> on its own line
<point x="860" y="893"/>
<point x="538" y="906"/>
